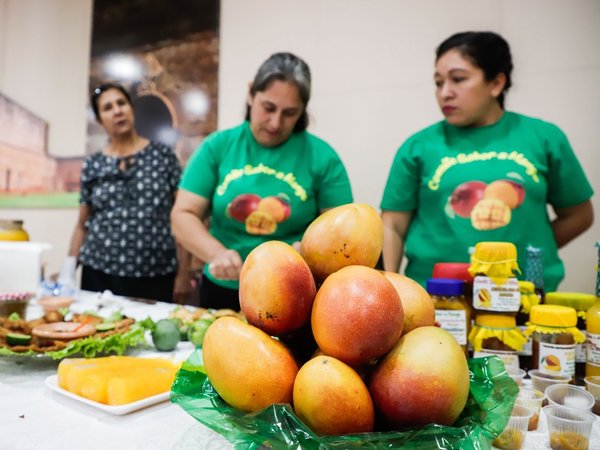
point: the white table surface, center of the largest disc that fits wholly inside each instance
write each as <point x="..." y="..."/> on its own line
<point x="32" y="416"/>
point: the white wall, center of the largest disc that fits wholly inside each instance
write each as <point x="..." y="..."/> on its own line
<point x="372" y="64"/>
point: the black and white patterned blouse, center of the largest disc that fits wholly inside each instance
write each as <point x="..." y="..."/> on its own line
<point x="129" y="230"/>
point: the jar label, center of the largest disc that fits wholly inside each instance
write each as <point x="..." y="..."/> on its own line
<point x="555" y="359"/>
<point x="454" y="322"/>
<point x="510" y="359"/>
<point x="580" y="350"/>
<point x="527" y="349"/>
<point x="593" y="349"/>
<point x="489" y="296"/>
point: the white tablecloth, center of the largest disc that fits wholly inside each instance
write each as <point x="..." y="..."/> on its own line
<point x="34" y="417"/>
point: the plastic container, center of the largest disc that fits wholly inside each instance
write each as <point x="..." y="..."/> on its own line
<point x="568" y="428"/>
<point x="517" y="374"/>
<point x="495" y="286"/>
<point x="14" y="302"/>
<point x="540" y="381"/>
<point x="534" y="270"/>
<point x="456" y="271"/>
<point x="554" y="332"/>
<point x="513" y="436"/>
<point x="569" y="395"/>
<point x="21" y="265"/>
<point x="452" y="311"/>
<point x="497" y="335"/>
<point x="592" y="384"/>
<point x="12" y="230"/>
<point x="531" y="399"/>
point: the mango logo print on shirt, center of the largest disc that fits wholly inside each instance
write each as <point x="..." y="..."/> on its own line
<point x="487" y="206"/>
<point x="260" y="215"/>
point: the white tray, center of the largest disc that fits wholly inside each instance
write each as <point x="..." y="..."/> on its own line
<point x="52" y="383"/>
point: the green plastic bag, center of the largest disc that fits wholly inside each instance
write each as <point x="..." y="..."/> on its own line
<point x="491" y="398"/>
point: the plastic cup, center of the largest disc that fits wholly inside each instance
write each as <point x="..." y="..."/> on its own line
<point x="540" y="381"/>
<point x="592" y="384"/>
<point x="532" y="400"/>
<point x="569" y="395"/>
<point x="513" y="436"/>
<point x="516" y="374"/>
<point x="568" y="427"/>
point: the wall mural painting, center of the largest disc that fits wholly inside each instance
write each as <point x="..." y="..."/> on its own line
<point x="165" y="53"/>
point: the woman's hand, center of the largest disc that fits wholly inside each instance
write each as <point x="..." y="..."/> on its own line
<point x="226" y="265"/>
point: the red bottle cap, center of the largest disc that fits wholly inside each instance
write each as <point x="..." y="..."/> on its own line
<point x="453" y="270"/>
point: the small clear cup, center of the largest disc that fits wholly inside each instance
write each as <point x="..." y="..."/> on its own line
<point x="532" y="400"/>
<point x="592" y="384"/>
<point x="516" y="374"/>
<point x="568" y="427"/>
<point x="540" y="381"/>
<point x="569" y="395"/>
<point x="513" y="436"/>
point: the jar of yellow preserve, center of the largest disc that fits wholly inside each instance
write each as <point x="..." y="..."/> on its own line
<point x="495" y="286"/>
<point x="592" y="365"/>
<point x="580" y="302"/>
<point x="12" y="230"/>
<point x="452" y="310"/>
<point x="554" y="331"/>
<point x="497" y="335"/>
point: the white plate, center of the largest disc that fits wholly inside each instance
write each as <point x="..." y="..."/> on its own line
<point x="52" y="383"/>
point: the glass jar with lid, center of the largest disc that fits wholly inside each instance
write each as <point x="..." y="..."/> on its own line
<point x="581" y="302"/>
<point x="12" y="230"/>
<point x="592" y="366"/>
<point x="452" y="311"/>
<point x="495" y="286"/>
<point x="456" y="271"/>
<point x="554" y="331"/>
<point x="497" y="335"/>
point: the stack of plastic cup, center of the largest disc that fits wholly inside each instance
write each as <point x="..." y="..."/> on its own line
<point x="532" y="400"/>
<point x="516" y="374"/>
<point x="568" y="427"/>
<point x="513" y="436"/>
<point x="569" y="395"/>
<point x="540" y="381"/>
<point x="592" y="384"/>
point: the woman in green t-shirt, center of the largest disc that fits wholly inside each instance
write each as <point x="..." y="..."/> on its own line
<point x="482" y="173"/>
<point x="266" y="179"/>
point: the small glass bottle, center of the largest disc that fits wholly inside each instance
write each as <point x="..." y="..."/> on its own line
<point x="592" y="364"/>
<point x="495" y="287"/>
<point x="528" y="300"/>
<point x="580" y="302"/>
<point x="534" y="269"/>
<point x="554" y="332"/>
<point x="12" y="230"/>
<point x="452" y="311"/>
<point x="497" y="335"/>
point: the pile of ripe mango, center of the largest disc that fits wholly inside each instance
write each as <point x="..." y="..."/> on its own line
<point x="374" y="351"/>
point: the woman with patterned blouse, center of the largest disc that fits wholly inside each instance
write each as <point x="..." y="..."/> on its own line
<point x="123" y="235"/>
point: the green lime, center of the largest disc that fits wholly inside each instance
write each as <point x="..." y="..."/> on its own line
<point x="198" y="330"/>
<point x="165" y="335"/>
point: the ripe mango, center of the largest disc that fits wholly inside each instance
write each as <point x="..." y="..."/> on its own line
<point x="350" y="234"/>
<point x="277" y="289"/>
<point x="248" y="368"/>
<point x="423" y="379"/>
<point x="357" y="315"/>
<point x="331" y="398"/>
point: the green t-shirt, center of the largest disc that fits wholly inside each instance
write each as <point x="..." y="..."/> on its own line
<point x="466" y="185"/>
<point x="260" y="194"/>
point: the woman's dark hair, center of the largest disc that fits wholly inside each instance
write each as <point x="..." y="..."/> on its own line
<point x="487" y="50"/>
<point x="98" y="91"/>
<point x="284" y="67"/>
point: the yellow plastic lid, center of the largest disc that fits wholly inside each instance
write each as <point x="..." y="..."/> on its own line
<point x="553" y="316"/>
<point x="494" y="259"/>
<point x="578" y="300"/>
<point x="526" y="287"/>
<point x="495" y="321"/>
